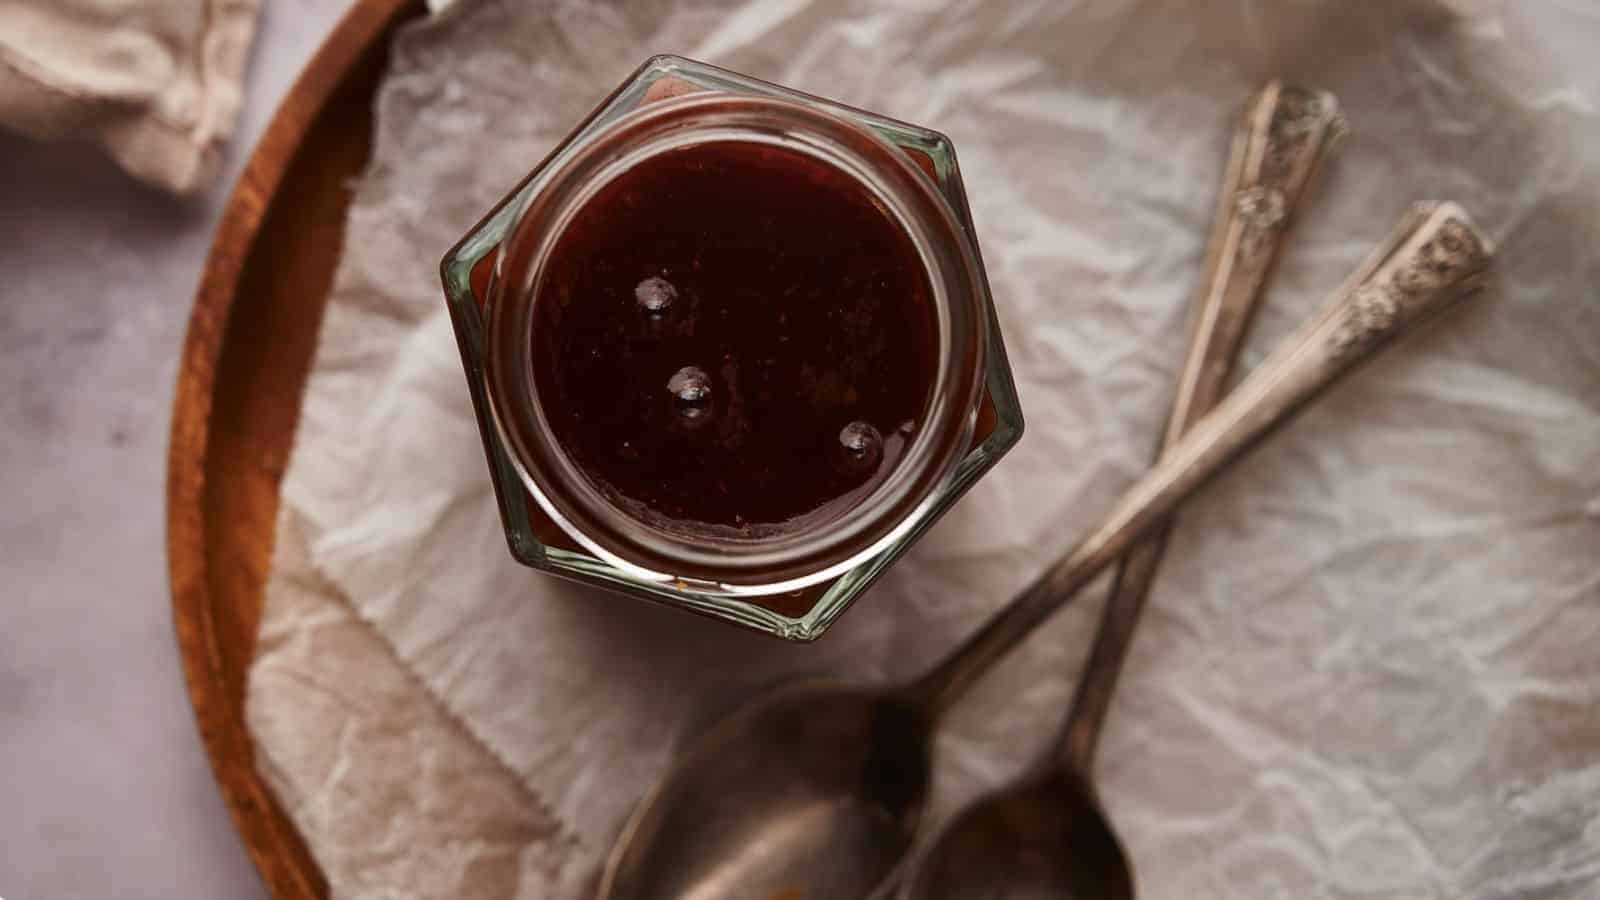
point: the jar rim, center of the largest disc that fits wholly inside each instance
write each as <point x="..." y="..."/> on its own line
<point x="745" y="563"/>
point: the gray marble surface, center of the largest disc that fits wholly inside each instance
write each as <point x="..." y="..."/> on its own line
<point x="104" y="787"/>
<point x="105" y="791"/>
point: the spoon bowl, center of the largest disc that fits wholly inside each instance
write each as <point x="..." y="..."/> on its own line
<point x="811" y="792"/>
<point x="1046" y="834"/>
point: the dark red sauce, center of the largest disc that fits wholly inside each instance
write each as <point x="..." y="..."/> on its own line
<point x="733" y="334"/>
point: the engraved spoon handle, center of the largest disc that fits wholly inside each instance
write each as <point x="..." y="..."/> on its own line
<point x="1433" y="259"/>
<point x="1283" y="137"/>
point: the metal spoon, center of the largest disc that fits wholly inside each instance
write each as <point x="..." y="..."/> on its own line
<point x="1009" y="843"/>
<point x="815" y="791"/>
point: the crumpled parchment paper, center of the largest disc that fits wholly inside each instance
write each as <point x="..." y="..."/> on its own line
<point x="1370" y="665"/>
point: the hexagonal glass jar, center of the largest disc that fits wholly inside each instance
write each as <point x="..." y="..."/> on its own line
<point x="542" y="530"/>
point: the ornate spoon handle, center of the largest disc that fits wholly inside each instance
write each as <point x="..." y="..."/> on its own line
<point x="1433" y="259"/>
<point x="1283" y="139"/>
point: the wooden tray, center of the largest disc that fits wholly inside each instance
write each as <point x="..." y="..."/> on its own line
<point x="244" y="365"/>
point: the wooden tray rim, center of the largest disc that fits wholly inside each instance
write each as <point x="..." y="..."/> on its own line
<point x="221" y="723"/>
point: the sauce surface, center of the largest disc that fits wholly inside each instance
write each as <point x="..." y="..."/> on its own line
<point x="733" y="334"/>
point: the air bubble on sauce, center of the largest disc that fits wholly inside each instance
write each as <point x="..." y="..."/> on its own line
<point x="862" y="445"/>
<point x="690" y="388"/>
<point x="655" y="294"/>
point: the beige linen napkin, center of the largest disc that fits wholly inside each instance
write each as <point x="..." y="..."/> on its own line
<point x="156" y="83"/>
<point x="1368" y="668"/>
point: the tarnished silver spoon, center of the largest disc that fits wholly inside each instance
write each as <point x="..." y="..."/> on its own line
<point x="814" y="791"/>
<point x="1046" y="835"/>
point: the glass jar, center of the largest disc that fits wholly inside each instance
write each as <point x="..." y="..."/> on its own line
<point x="794" y="577"/>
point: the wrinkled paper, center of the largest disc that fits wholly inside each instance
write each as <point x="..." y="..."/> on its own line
<point x="1369" y="666"/>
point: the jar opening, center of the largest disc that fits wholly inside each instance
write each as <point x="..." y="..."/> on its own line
<point x="643" y="379"/>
